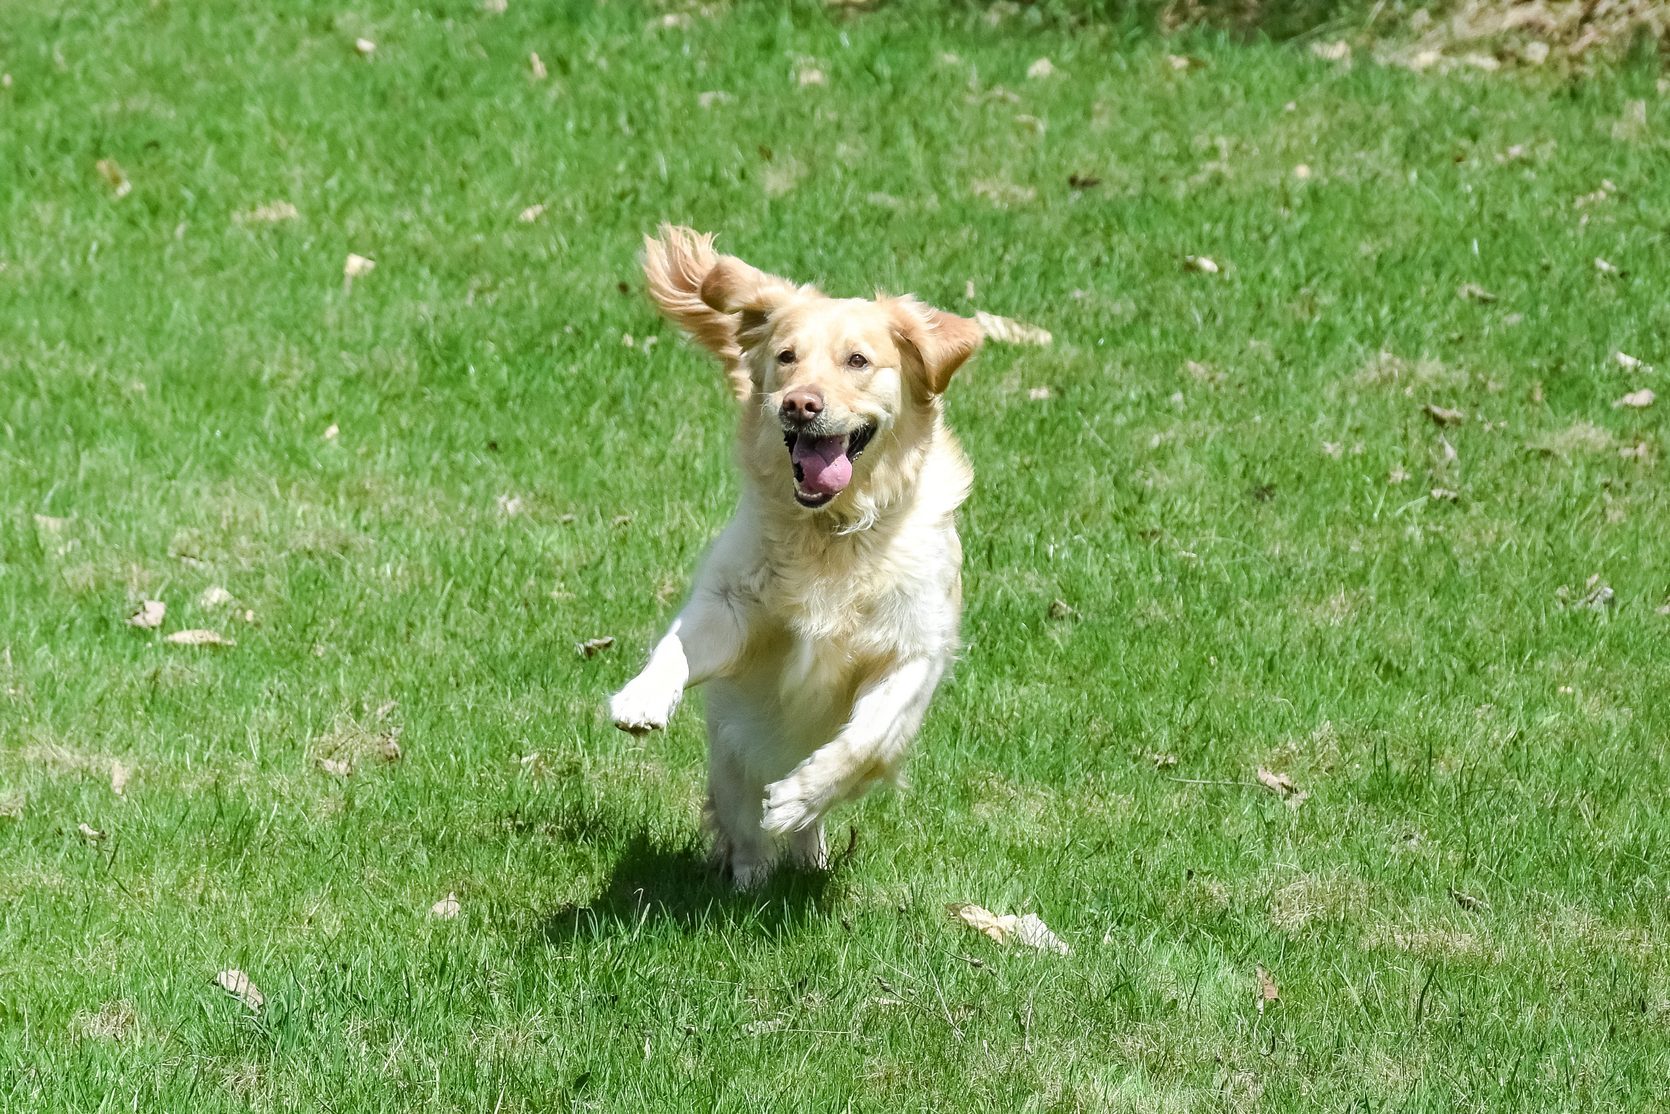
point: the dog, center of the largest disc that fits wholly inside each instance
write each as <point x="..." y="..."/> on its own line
<point x="824" y="616"/>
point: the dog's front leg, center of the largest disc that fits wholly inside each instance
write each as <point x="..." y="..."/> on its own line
<point x="885" y="718"/>
<point x="703" y="642"/>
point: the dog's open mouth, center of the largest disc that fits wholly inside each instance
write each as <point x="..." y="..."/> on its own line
<point x="823" y="465"/>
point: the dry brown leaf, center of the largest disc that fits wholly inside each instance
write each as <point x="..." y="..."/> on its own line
<point x="390" y="751"/>
<point x="1028" y="929"/>
<point x="357" y="266"/>
<point x="240" y="986"/>
<point x="531" y="214"/>
<point x="1442" y="415"/>
<point x="1280" y="784"/>
<point x="149" y="616"/>
<point x="1200" y="264"/>
<point x="215" y="596"/>
<point x="1637" y="400"/>
<point x="114" y="177"/>
<point x="1061" y="609"/>
<point x="336" y="767"/>
<point x="273" y="212"/>
<point x="198" y="637"/>
<point x="119" y="774"/>
<point x="89" y="833"/>
<point x="1182" y="62"/>
<point x="594" y="646"/>
<point x="1041" y="69"/>
<point x="1468" y="901"/>
<point x="1006" y="330"/>
<point x="1268" y="991"/>
<point x="447" y="908"/>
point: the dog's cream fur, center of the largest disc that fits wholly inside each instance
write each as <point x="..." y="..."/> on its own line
<point x="820" y="634"/>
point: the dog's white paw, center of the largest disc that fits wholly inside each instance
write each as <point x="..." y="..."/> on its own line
<point x="643" y="705"/>
<point x="792" y="806"/>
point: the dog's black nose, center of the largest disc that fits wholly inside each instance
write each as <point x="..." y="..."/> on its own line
<point x="802" y="406"/>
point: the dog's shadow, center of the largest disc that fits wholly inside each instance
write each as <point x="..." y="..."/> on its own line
<point x="654" y="885"/>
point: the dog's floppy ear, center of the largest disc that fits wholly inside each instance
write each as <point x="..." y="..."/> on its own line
<point x="732" y="286"/>
<point x="941" y="341"/>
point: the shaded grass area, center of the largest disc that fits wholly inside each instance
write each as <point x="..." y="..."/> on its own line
<point x="1230" y="488"/>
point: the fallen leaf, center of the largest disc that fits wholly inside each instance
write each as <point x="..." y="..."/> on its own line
<point x="536" y="67"/>
<point x="364" y="47"/>
<point x="1468" y="901"/>
<point x="1040" y="69"/>
<point x="332" y="431"/>
<point x="1628" y="362"/>
<point x="1163" y="761"/>
<point x="1534" y="53"/>
<point x="510" y="505"/>
<point x="1332" y="52"/>
<point x="711" y="98"/>
<point x="1280" y="784"/>
<point x="1181" y="62"/>
<point x="1028" y="930"/>
<point x="1039" y="394"/>
<point x="357" y="266"/>
<point x="1442" y="415"/>
<point x="336" y="767"/>
<point x="1003" y="193"/>
<point x="1083" y="181"/>
<point x="89" y="833"/>
<point x="1636" y="400"/>
<point x="810" y="75"/>
<point x="119" y="775"/>
<point x="199" y="638"/>
<point x="1445" y="495"/>
<point x="1006" y="330"/>
<point x="239" y="986"/>
<point x="114" y="177"/>
<point x="1268" y="991"/>
<point x="1604" y="267"/>
<point x="149" y="616"/>
<point x="214" y="597"/>
<point x="447" y="908"/>
<point x="390" y="750"/>
<point x="1061" y="609"/>
<point x="273" y="212"/>
<point x="594" y="646"/>
<point x="1473" y="292"/>
<point x="1200" y="264"/>
<point x="531" y="214"/>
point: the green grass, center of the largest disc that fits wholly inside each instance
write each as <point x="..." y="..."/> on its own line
<point x="1207" y="488"/>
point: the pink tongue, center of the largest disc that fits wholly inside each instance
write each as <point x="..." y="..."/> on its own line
<point x="825" y="468"/>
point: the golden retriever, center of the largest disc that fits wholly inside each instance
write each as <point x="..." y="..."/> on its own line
<point x="827" y="611"/>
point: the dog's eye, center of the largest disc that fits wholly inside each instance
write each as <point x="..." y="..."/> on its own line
<point x="857" y="362"/>
<point x="786" y="356"/>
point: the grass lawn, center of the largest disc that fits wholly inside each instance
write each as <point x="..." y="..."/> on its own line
<point x="423" y="487"/>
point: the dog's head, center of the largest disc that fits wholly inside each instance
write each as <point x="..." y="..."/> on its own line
<point x="848" y="387"/>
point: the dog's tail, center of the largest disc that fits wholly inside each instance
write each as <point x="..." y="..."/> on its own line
<point x="675" y="265"/>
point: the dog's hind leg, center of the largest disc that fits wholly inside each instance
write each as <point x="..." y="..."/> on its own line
<point x="735" y="804"/>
